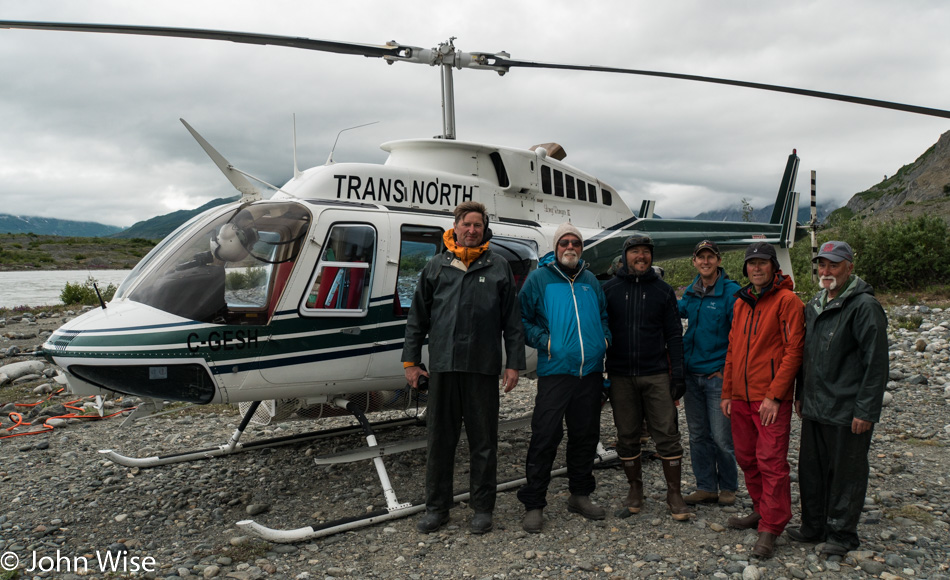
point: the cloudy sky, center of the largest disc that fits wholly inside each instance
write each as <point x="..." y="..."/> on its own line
<point x="89" y="122"/>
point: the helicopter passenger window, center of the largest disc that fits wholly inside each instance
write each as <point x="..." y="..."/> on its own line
<point x="522" y="256"/>
<point x="592" y="192"/>
<point x="417" y="245"/>
<point x="570" y="186"/>
<point x="342" y="281"/>
<point x="546" y="179"/>
<point x="607" y="199"/>
<point x="558" y="183"/>
<point x="581" y="190"/>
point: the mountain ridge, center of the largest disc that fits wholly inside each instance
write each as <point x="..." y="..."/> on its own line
<point x="43" y="226"/>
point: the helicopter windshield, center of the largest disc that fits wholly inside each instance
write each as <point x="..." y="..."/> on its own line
<point x="228" y="270"/>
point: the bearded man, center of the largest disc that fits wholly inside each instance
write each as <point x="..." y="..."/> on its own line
<point x="564" y="316"/>
<point x="646" y="370"/>
<point x="846" y="370"/>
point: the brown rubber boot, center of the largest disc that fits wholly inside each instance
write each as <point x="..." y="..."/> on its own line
<point x="672" y="471"/>
<point x="634" y="471"/>
<point x="747" y="523"/>
<point x="765" y="546"/>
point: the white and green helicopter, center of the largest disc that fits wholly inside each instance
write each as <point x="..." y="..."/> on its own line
<point x="296" y="305"/>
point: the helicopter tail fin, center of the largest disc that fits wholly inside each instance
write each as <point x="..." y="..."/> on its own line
<point x="785" y="211"/>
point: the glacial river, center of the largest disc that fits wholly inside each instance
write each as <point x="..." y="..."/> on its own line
<point x="43" y="287"/>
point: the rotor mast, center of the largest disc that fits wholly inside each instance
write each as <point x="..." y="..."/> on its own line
<point x="447" y="57"/>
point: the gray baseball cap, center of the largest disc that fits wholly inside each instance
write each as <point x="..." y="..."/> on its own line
<point x="835" y="251"/>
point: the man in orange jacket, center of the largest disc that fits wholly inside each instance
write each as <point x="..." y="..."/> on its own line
<point x="764" y="356"/>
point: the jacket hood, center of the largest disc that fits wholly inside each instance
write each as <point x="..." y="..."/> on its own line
<point x="780" y="281"/>
<point x="466" y="255"/>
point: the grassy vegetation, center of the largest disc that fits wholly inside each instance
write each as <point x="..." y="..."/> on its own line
<point x="249" y="551"/>
<point x="923" y="442"/>
<point x="911" y="512"/>
<point x="911" y="255"/>
<point x="30" y="251"/>
<point x="911" y="322"/>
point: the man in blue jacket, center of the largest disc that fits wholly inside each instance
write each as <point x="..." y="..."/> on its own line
<point x="564" y="317"/>
<point x="707" y="306"/>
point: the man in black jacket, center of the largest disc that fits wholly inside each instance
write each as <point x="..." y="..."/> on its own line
<point x="846" y="368"/>
<point x="466" y="301"/>
<point x="645" y="367"/>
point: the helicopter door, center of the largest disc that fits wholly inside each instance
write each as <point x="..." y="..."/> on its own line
<point x="336" y="330"/>
<point x="416" y="245"/>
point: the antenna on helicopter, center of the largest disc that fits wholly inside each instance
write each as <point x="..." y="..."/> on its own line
<point x="296" y="171"/>
<point x="335" y="141"/>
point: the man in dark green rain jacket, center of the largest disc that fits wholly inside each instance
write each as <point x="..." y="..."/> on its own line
<point x="845" y="368"/>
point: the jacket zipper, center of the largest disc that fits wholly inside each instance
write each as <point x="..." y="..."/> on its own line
<point x="577" y="317"/>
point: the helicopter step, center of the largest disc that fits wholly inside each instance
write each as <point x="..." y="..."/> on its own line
<point x="394" y="510"/>
<point x="405" y="445"/>
<point x="234" y="444"/>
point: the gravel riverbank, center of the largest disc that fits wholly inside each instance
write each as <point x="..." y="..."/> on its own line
<point x="66" y="505"/>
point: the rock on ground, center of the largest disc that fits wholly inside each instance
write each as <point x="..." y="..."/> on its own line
<point x="60" y="497"/>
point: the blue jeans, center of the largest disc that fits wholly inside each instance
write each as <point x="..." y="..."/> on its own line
<point x="710" y="436"/>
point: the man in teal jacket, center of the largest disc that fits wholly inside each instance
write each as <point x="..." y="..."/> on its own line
<point x="707" y="306"/>
<point x="565" y="318"/>
<point x="846" y="368"/>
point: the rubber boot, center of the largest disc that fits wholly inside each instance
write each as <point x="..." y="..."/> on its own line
<point x="672" y="471"/>
<point x="634" y="471"/>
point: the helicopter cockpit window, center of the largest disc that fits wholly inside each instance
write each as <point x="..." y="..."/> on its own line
<point x="417" y="245"/>
<point x="522" y="256"/>
<point x="343" y="279"/>
<point x="231" y="269"/>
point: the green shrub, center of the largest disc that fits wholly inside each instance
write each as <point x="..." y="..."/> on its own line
<point x="250" y="278"/>
<point x="900" y="255"/>
<point x="85" y="293"/>
<point x="79" y="257"/>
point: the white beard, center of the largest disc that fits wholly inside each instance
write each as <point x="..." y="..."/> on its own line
<point x="832" y="282"/>
<point x="569" y="259"/>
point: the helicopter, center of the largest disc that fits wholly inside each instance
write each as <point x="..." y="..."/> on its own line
<point x="295" y="305"/>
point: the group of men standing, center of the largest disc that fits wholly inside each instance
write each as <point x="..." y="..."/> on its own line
<point x="736" y="365"/>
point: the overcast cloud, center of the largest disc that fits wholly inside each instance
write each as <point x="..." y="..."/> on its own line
<point x="90" y="125"/>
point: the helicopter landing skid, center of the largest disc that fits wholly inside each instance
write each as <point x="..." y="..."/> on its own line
<point x="235" y="446"/>
<point x="394" y="510"/>
<point x="405" y="445"/>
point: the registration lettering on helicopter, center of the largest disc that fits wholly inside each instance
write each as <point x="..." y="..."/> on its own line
<point x="388" y="190"/>
<point x="223" y="340"/>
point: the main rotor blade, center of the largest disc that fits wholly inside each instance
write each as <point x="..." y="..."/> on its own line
<point x="505" y="63"/>
<point x="367" y="50"/>
<point x="486" y="61"/>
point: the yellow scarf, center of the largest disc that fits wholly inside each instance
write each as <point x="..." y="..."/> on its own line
<point x="465" y="255"/>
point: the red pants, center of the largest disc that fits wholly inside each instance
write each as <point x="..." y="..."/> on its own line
<point x="762" y="453"/>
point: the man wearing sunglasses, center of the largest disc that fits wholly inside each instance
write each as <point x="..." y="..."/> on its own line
<point x="564" y="317"/>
